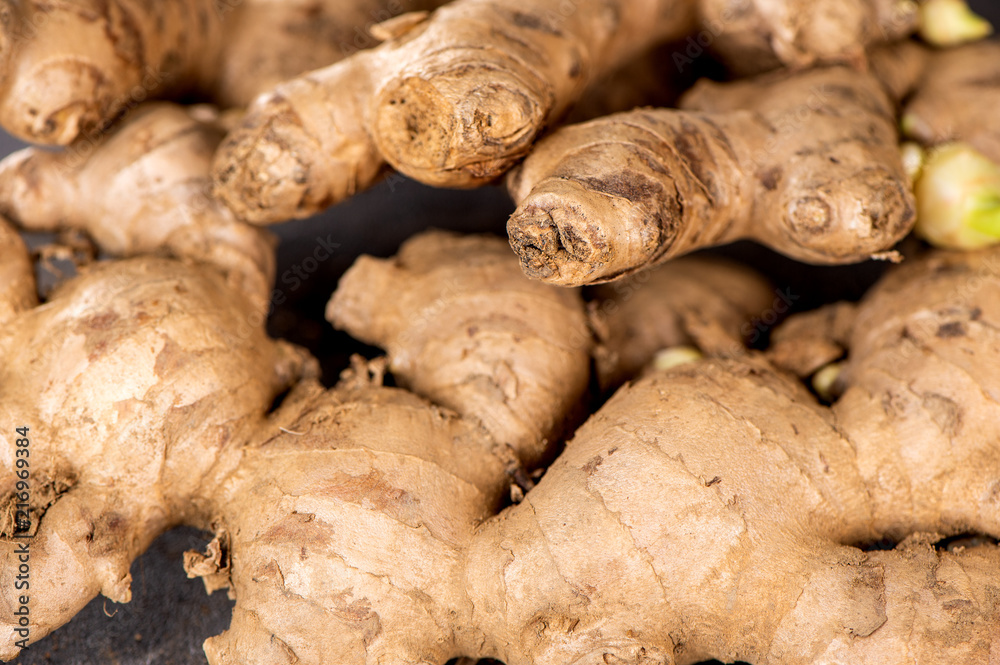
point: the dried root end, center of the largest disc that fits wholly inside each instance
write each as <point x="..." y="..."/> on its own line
<point x="457" y="129"/>
<point x="858" y="216"/>
<point x="263" y="169"/>
<point x="552" y="249"/>
<point x="56" y="103"/>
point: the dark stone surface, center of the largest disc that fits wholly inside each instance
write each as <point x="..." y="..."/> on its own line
<point x="166" y="622"/>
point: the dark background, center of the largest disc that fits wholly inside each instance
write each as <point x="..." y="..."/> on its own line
<point x="169" y="615"/>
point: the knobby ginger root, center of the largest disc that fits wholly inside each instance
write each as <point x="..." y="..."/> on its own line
<point x="812" y="340"/>
<point x="355" y="526"/>
<point x="137" y="379"/>
<point x="453" y="101"/>
<point x="713" y="510"/>
<point x="752" y="36"/>
<point x="70" y="68"/>
<point x="952" y="114"/>
<point x="899" y="67"/>
<point x="425" y="307"/>
<point x="265" y="42"/>
<point x="956" y="99"/>
<point x="807" y="163"/>
<point x="146" y="385"/>
<point x="458" y="99"/>
<point x="144" y="189"/>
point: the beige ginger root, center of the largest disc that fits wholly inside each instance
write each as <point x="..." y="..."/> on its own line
<point x="146" y="386"/>
<point x="956" y="99"/>
<point x="425" y="309"/>
<point x="69" y="68"/>
<point x="135" y="381"/>
<point x="806" y="163"/>
<point x="458" y="99"/>
<point x="453" y="101"/>
<point x="144" y="189"/>
<point x="713" y="510"/>
<point x="753" y="36"/>
<point x="355" y="526"/>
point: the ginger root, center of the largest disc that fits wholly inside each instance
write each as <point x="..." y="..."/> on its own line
<point x="358" y="524"/>
<point x="135" y="380"/>
<point x="425" y="308"/>
<point x="17" y="277"/>
<point x="141" y="190"/>
<point x="147" y="383"/>
<point x="956" y="99"/>
<point x="457" y="99"/>
<point x="70" y="68"/>
<point x="657" y="534"/>
<point x="698" y="484"/>
<point x="807" y="163"/>
<point x="452" y="101"/>
<point x="753" y="36"/>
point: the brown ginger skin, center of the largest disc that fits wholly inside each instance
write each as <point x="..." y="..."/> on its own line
<point x="452" y="101"/>
<point x="957" y="98"/>
<point x="143" y="189"/>
<point x="301" y="35"/>
<point x="425" y="307"/>
<point x="164" y="419"/>
<point x="69" y="69"/>
<point x="361" y="474"/>
<point x="354" y="524"/>
<point x="806" y="163"/>
<point x="456" y="100"/>
<point x="899" y="67"/>
<point x="726" y="502"/>
<point x="754" y="36"/>
<point x="812" y="340"/>
<point x="135" y="381"/>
